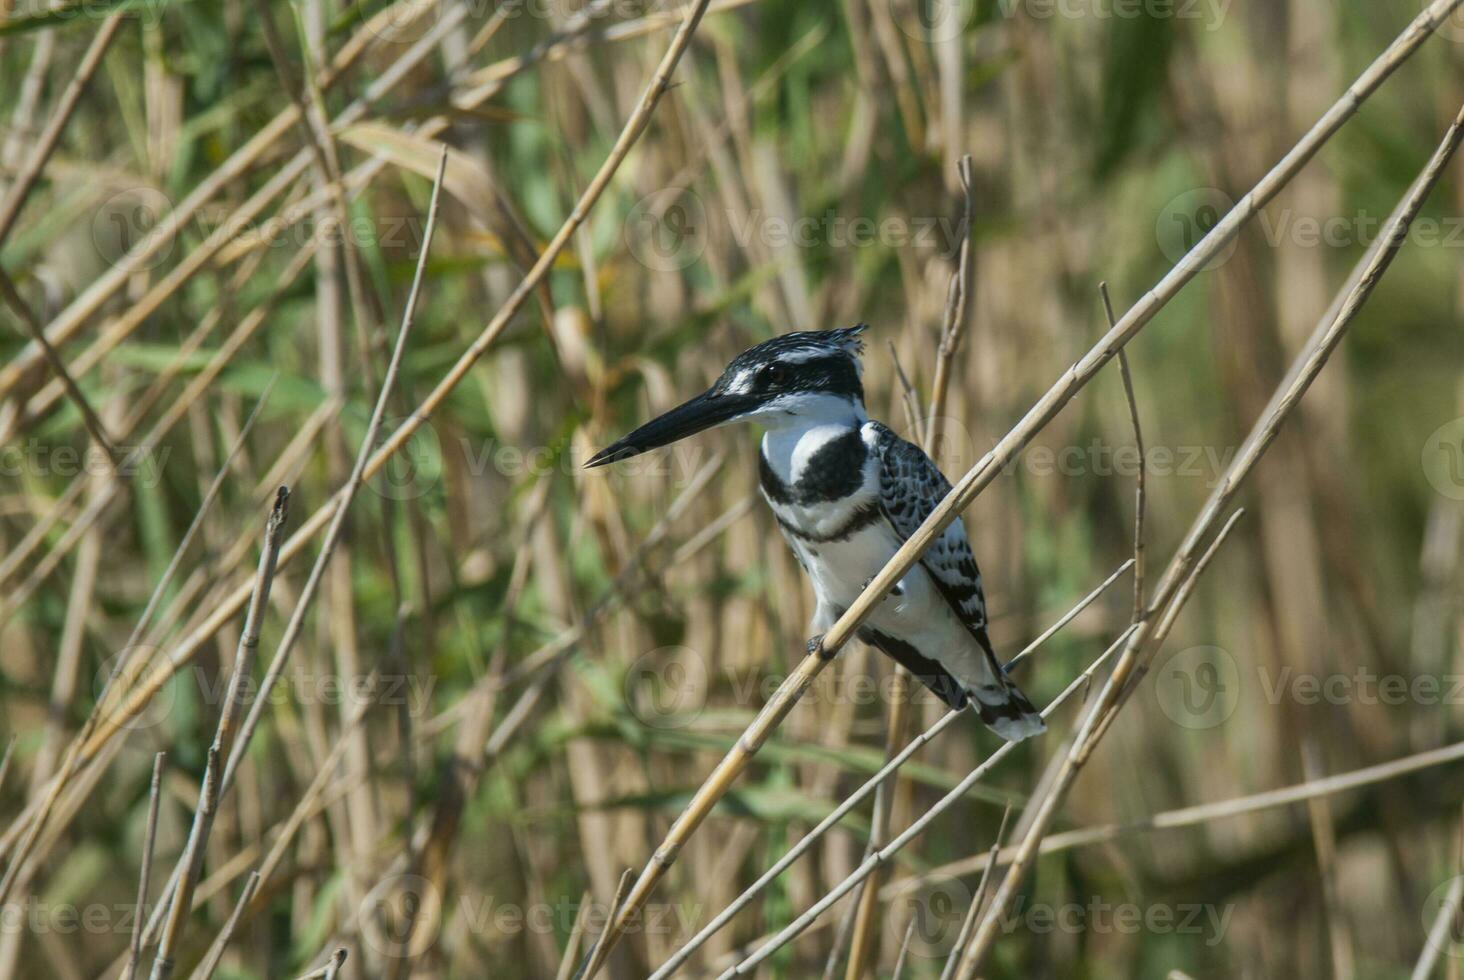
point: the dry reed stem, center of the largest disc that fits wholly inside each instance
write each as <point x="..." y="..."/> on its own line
<point x="1203" y="813"/>
<point x="559" y="649"/>
<point x="116" y="333"/>
<point x="1139" y="476"/>
<point x="829" y="899"/>
<point x="190" y="862"/>
<point x="957" y="315"/>
<point x="312" y="584"/>
<point x="36" y="822"/>
<point x="196" y="388"/>
<point x="80" y="310"/>
<point x="620" y="891"/>
<point x="1082" y="681"/>
<point x="94" y="426"/>
<point x="904" y="950"/>
<point x="968" y="924"/>
<point x="307" y="803"/>
<point x="45" y="144"/>
<point x="1443" y="931"/>
<point x="230" y="604"/>
<point x="717" y="783"/>
<point x="211" y="962"/>
<point x="864" y="946"/>
<point x="971" y="957"/>
<point x="150" y="836"/>
<point x="854" y="799"/>
<point x="337" y="961"/>
<point x="908" y="399"/>
<point x="462" y="769"/>
<point x="554" y="653"/>
<point x="234" y="223"/>
<point x="1324" y="844"/>
<point x="5" y="760"/>
<point x="330" y="970"/>
<point x="1305" y="368"/>
<point x="576" y="939"/>
<point x="38" y="532"/>
<point x="42" y="527"/>
<point x="467" y="101"/>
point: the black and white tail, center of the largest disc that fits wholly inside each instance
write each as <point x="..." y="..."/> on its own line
<point x="1006" y="710"/>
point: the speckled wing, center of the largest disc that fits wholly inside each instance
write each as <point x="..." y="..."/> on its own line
<point x="910" y="487"/>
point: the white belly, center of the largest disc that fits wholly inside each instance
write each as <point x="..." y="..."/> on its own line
<point x="843" y="542"/>
<point x="918" y="614"/>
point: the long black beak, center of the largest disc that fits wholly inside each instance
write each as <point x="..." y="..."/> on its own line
<point x="702" y="412"/>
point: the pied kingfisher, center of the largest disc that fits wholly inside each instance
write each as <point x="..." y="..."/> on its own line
<point x="847" y="492"/>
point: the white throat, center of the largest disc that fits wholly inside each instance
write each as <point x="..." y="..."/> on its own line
<point x="799" y="431"/>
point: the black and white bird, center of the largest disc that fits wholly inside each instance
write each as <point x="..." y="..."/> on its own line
<point x="847" y="492"/>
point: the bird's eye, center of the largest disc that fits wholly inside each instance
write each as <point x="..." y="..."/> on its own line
<point x="773" y="374"/>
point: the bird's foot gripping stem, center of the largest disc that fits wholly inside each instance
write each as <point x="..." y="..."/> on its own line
<point x="815" y="646"/>
<point x="896" y="591"/>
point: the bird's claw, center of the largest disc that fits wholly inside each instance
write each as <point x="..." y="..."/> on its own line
<point x="815" y="645"/>
<point x="897" y="590"/>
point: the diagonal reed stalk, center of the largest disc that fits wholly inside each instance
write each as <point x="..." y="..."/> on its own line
<point x="176" y="887"/>
<point x="969" y="923"/>
<point x="989" y="466"/>
<point x="150" y="836"/>
<point x="228" y="243"/>
<point x="72" y="760"/>
<point x="871" y="864"/>
<point x="89" y="419"/>
<point x="190" y="863"/>
<point x="170" y="225"/>
<point x="231" y="603"/>
<point x="871" y="785"/>
<point x="864" y="946"/>
<point x="1145" y="641"/>
<point x="1443" y="931"/>
<point x="45" y="144"/>
<point x="1202" y="813"/>
<point x="210" y="963"/>
<point x="882" y="855"/>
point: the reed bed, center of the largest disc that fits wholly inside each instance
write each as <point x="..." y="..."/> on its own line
<point x="322" y="656"/>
